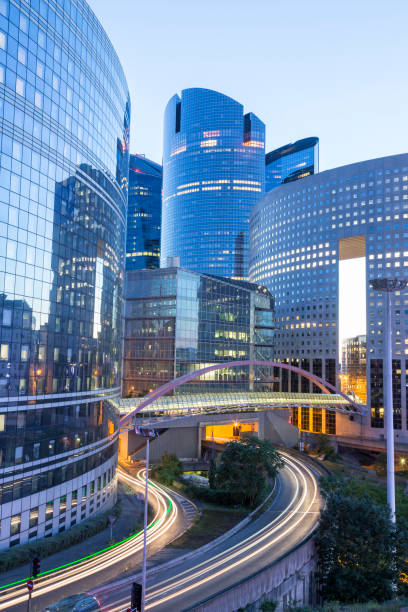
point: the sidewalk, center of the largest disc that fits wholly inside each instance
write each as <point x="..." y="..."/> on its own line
<point x="130" y="507"/>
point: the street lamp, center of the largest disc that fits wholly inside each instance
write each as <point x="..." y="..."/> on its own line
<point x="388" y="286"/>
<point x="149" y="434"/>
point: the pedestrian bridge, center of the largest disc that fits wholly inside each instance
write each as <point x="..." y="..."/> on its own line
<point x="184" y="418"/>
<point x="184" y="404"/>
<point x="331" y="397"/>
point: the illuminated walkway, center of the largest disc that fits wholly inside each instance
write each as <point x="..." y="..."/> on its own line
<point x="196" y="403"/>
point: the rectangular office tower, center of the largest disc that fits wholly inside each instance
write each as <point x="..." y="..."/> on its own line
<point x="291" y="162"/>
<point x="178" y="321"/>
<point x="144" y="214"/>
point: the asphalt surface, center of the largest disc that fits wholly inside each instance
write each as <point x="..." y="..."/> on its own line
<point x="170" y="520"/>
<point x="287" y="522"/>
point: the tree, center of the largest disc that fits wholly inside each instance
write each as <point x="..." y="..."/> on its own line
<point x="245" y="467"/>
<point x="355" y="543"/>
<point x="401" y="555"/>
<point x="325" y="448"/>
<point x="170" y="469"/>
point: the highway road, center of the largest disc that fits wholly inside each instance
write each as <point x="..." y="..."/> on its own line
<point x="289" y="519"/>
<point x="168" y="522"/>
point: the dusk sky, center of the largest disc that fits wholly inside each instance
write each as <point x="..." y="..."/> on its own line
<point x="336" y="70"/>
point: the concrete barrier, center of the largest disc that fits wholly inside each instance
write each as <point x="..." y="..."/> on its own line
<point x="289" y="579"/>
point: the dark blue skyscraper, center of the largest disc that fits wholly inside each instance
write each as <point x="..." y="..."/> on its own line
<point x="213" y="173"/>
<point x="292" y="162"/>
<point x="144" y="214"/>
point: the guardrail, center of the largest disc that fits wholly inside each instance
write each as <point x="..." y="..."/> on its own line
<point x="288" y="579"/>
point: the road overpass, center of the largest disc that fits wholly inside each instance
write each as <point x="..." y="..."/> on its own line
<point x="186" y="435"/>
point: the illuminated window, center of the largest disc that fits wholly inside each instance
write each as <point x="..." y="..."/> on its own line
<point x="208" y="143"/>
<point x="179" y="150"/>
<point x="4" y="351"/>
<point x="258" y="144"/>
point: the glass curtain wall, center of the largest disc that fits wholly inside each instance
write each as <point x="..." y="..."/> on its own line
<point x="64" y="113"/>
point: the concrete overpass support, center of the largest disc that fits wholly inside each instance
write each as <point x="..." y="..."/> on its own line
<point x="183" y="436"/>
<point x="182" y="441"/>
<point x="278" y="430"/>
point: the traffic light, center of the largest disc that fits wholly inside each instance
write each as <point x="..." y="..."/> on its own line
<point x="36" y="567"/>
<point x="136" y="597"/>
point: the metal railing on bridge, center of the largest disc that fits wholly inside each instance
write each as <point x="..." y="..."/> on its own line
<point x="196" y="403"/>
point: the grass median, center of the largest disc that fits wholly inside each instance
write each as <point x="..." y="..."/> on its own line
<point x="211" y="523"/>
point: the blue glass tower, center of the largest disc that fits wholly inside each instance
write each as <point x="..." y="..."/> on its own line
<point x="144" y="214"/>
<point x="64" y="120"/>
<point x="213" y="173"/>
<point x="291" y="162"/>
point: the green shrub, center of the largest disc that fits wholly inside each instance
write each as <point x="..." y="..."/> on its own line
<point x="211" y="496"/>
<point x="325" y="448"/>
<point x="269" y="605"/>
<point x="169" y="469"/>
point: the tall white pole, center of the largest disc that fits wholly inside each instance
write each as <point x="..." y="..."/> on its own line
<point x="389" y="412"/>
<point x="145" y="527"/>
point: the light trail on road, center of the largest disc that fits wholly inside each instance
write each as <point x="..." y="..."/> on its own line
<point x="165" y="515"/>
<point x="198" y="574"/>
<point x="240" y="553"/>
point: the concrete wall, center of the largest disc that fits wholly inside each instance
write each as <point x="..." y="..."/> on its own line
<point x="182" y="441"/>
<point x="183" y="435"/>
<point x="278" y="430"/>
<point x="289" y="579"/>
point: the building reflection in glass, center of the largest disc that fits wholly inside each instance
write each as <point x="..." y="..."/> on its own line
<point x="178" y="321"/>
<point x="64" y="119"/>
<point x="353" y="367"/>
<point x="144" y="214"/>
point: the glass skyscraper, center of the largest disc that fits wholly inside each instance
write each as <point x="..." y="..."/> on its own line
<point x="64" y="112"/>
<point x="144" y="214"/>
<point x="291" y="162"/>
<point x="303" y="234"/>
<point x="213" y="173"/>
<point x="178" y="321"/>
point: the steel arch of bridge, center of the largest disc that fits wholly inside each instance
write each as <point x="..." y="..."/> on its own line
<point x="325" y="386"/>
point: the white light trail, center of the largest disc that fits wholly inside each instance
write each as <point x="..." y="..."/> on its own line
<point x="161" y="523"/>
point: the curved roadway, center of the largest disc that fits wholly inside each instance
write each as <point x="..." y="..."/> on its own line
<point x="289" y="519"/>
<point x="86" y="573"/>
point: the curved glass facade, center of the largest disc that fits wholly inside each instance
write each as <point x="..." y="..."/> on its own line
<point x="144" y="214"/>
<point x="300" y="235"/>
<point x="64" y="112"/>
<point x="291" y="162"/>
<point x="213" y="173"/>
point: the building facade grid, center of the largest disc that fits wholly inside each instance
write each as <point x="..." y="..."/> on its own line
<point x="295" y="242"/>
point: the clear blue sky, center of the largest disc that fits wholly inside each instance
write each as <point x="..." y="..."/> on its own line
<point x="336" y="69"/>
